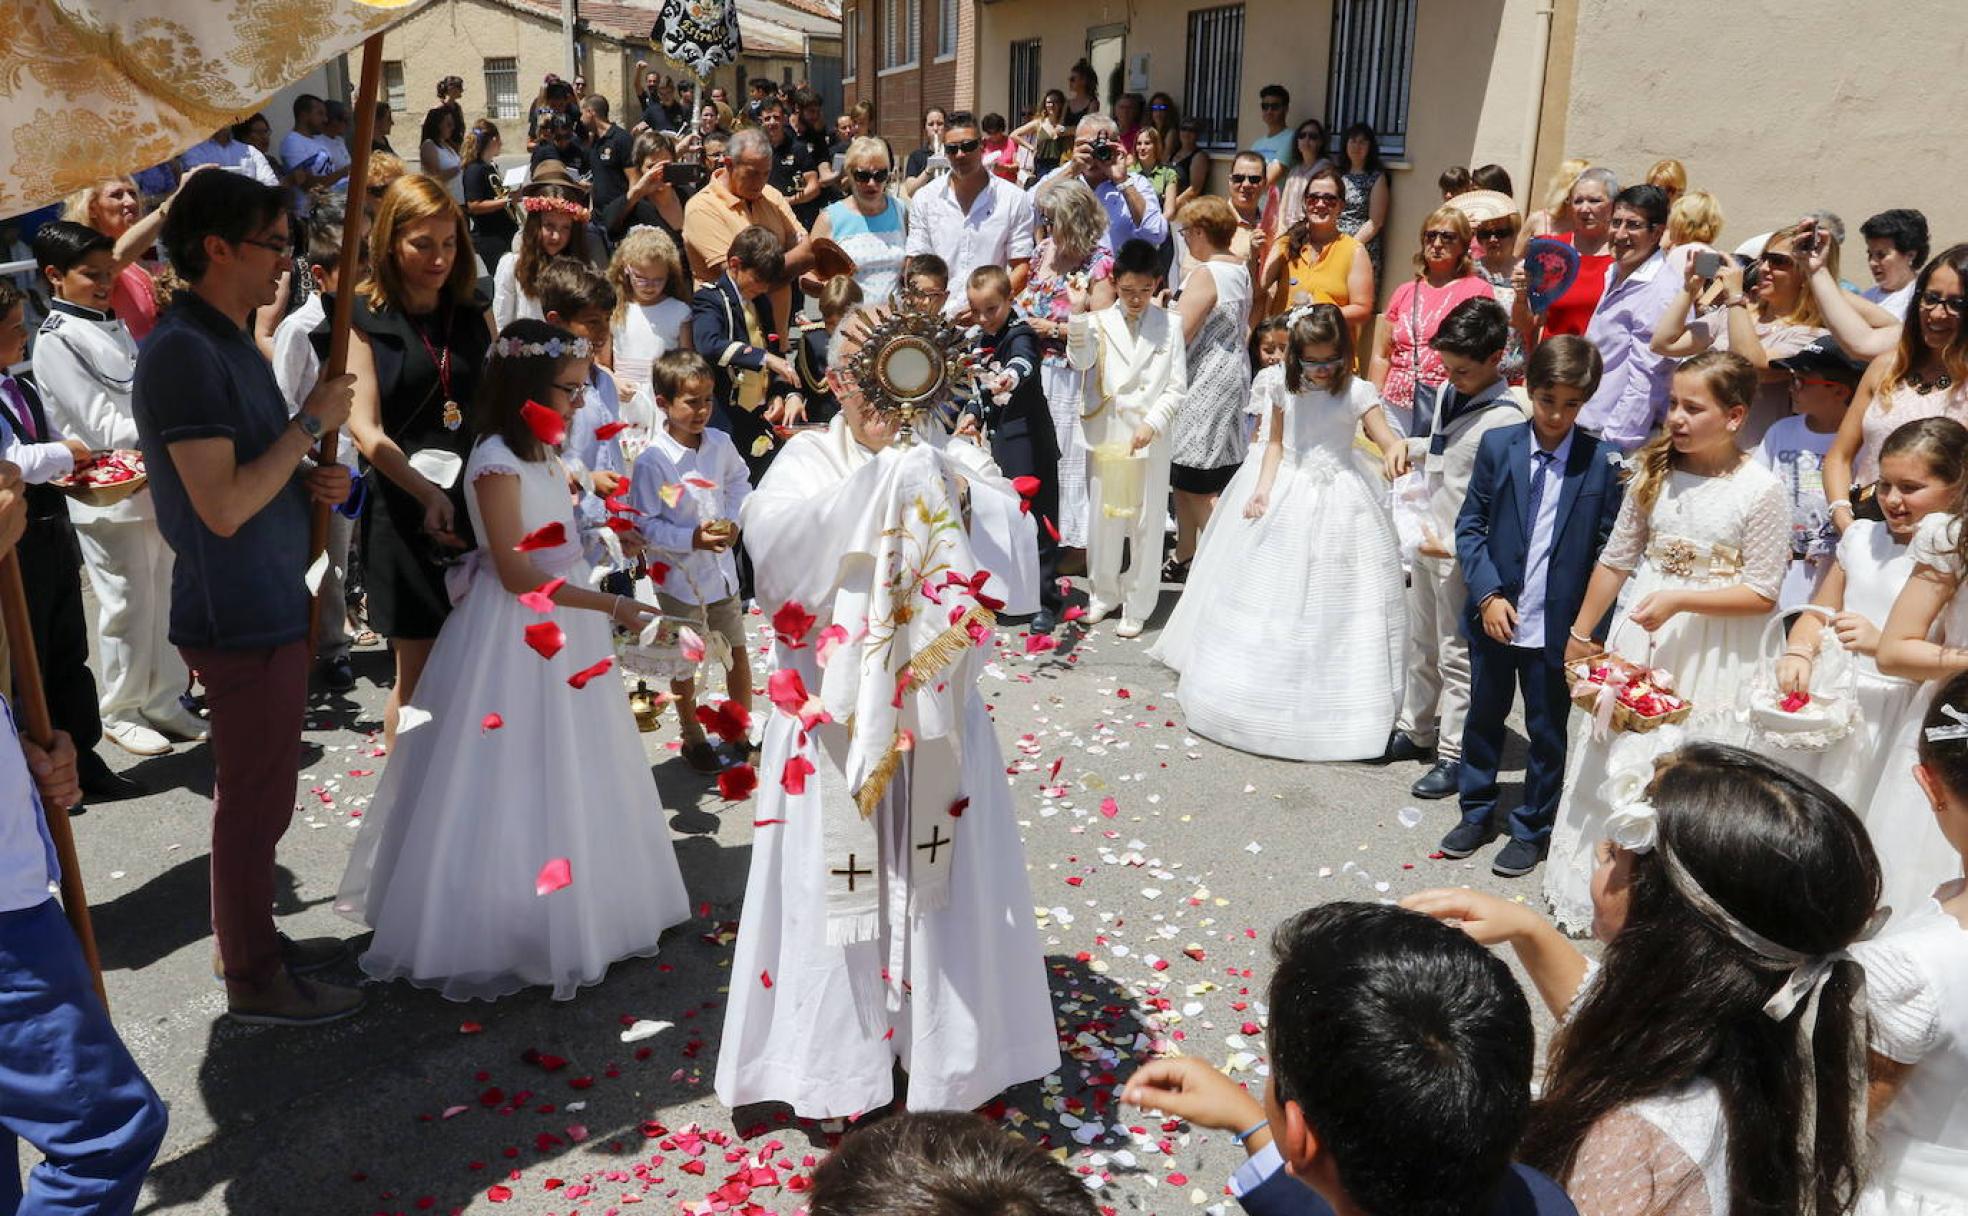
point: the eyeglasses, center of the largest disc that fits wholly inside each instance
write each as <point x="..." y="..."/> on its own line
<point x="1631" y="223"/>
<point x="1954" y="305"/>
<point x="961" y="147"/>
<point x="1319" y="365"/>
<point x="1317" y="137"/>
<point x="279" y="248"/>
<point x="1437" y="236"/>
<point x="1779" y="261"/>
<point x="867" y="176"/>
<point x="1159" y="107"/>
<point x="1320" y="198"/>
<point x="1802" y="380"/>
<point x="575" y="392"/>
<point x="1247" y="179"/>
<point x="1271" y="105"/>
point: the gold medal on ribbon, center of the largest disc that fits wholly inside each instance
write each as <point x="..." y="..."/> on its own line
<point x="453" y="416"/>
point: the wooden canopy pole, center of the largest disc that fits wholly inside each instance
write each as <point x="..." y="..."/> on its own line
<point x="31" y="700"/>
<point x="354" y="231"/>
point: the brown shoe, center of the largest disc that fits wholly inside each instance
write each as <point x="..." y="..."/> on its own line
<point x="304" y="957"/>
<point x="702" y="757"/>
<point x="287" y="1001"/>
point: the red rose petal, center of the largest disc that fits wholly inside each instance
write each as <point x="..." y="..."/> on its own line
<point x="546" y="638"/>
<point x="1073" y="613"/>
<point x="792" y="622"/>
<point x="553" y="876"/>
<point x="737" y="782"/>
<point x="765" y="977"/>
<point x="608" y="430"/>
<point x="547" y="425"/>
<point x="580" y="678"/>
<point x="540" y="599"/>
<point x="958" y="807"/>
<point x="547" y="536"/>
<point x="1052" y="529"/>
<point x="491" y="722"/>
<point x="1025" y="486"/>
<point x="499" y="1193"/>
<point x="793" y="777"/>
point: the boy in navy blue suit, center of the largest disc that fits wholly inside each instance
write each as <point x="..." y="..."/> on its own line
<point x="1542" y="501"/>
<point x="732" y="326"/>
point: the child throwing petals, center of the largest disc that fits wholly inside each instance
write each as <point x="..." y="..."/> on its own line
<point x="1707" y="531"/>
<point x="516" y="838"/>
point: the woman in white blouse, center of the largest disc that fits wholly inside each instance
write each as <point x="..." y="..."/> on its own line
<point x="436" y="154"/>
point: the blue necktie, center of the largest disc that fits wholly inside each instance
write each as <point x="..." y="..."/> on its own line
<point x="1540" y="461"/>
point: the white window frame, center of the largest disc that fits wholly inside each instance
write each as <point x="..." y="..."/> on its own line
<point x="508" y="66"/>
<point x="394" y="90"/>
<point x="850" y="44"/>
<point x="900" y="34"/>
<point x="949" y="19"/>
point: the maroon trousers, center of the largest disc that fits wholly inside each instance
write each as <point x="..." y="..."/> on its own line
<point x="257" y="700"/>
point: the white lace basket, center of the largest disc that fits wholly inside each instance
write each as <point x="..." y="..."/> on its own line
<point x="1833" y="711"/>
<point x="657" y="653"/>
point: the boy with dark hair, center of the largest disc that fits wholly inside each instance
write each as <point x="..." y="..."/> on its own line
<point x="1275" y="145"/>
<point x="84" y="363"/>
<point x="1896" y="248"/>
<point x="1823" y="379"/>
<point x="693" y="534"/>
<point x="1400" y="1082"/>
<point x="50" y="563"/>
<point x="839" y="296"/>
<point x="925" y="285"/>
<point x="1450" y="421"/>
<point x="1012" y="411"/>
<point x="300" y="343"/>
<point x="732" y="326"/>
<point x="939" y="1163"/>
<point x="1542" y="500"/>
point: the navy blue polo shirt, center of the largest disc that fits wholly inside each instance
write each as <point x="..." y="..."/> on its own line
<point x="201" y="377"/>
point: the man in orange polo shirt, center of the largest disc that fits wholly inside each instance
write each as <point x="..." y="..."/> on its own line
<point x="737" y="197"/>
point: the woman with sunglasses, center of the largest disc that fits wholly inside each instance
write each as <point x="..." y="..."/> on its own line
<point x="1498" y="261"/>
<point x="1591" y="204"/>
<point x="1772" y="320"/>
<point x="1316" y="263"/>
<point x="1367" y="197"/>
<point x="870" y="224"/>
<point x="1045" y="136"/>
<point x="1162" y="117"/>
<point x="1403" y="360"/>
<point x="1924" y="376"/>
<point x="1308" y="156"/>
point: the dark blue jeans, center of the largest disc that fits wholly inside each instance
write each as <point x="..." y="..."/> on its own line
<point x="67" y="1084"/>
<point x="1497" y="673"/>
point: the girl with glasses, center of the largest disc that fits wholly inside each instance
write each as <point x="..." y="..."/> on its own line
<point x="1403" y="361"/>
<point x="1290" y="631"/>
<point x="870" y="224"/>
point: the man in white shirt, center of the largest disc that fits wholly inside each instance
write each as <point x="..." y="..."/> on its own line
<point x="67" y="1083"/>
<point x="971" y="217"/>
<point x="1632" y="394"/>
<point x="232" y="154"/>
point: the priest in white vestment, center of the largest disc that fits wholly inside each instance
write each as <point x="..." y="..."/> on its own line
<point x="888" y="915"/>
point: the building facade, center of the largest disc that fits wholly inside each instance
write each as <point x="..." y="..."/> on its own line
<point x="1842" y="119"/>
<point x="904" y="56"/>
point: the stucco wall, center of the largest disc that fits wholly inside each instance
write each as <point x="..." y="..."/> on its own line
<point x="1782" y="106"/>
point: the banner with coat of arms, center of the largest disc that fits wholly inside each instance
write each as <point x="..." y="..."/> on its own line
<point x="698" y="34"/>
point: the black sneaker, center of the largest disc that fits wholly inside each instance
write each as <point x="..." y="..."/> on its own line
<point x="1516" y="859"/>
<point x="1465" y="838"/>
<point x="100" y="783"/>
<point x="1438" y="782"/>
<point x="338" y="674"/>
<point x="1401" y="746"/>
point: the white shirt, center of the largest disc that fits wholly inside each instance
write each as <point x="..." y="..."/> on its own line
<point x="509" y="303"/>
<point x="997" y="230"/>
<point x="296" y="367"/>
<point x="1537" y="557"/>
<point x="235" y="155"/>
<point x="1895" y="302"/>
<point x="84" y="364"/>
<point x="41" y="459"/>
<point x="29" y="874"/>
<point x="695" y="576"/>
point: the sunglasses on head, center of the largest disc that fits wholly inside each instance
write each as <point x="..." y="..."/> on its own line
<point x="958" y="147"/>
<point x="1247" y="179"/>
<point x="870" y="175"/>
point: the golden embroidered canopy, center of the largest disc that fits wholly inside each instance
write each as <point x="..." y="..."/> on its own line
<point x="96" y="88"/>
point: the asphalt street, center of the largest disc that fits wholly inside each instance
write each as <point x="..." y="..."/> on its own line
<point x="1155" y="908"/>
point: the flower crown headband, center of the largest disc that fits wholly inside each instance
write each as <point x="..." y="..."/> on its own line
<point x="552" y="348"/>
<point x="538" y="203"/>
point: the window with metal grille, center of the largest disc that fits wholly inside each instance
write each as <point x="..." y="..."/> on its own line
<point x="946" y="28"/>
<point x="502" y="88"/>
<point x="1372" y="69"/>
<point x="1213" y="73"/>
<point x="393" y="90"/>
<point x="901" y="32"/>
<point x="1024" y="99"/>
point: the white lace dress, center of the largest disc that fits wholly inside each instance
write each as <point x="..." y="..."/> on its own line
<point x="1703" y="534"/>
<point x="1876" y="566"/>
<point x="1667" y="1155"/>
<point x="468" y="814"/>
<point x="1913" y="855"/>
<point x="1917" y="999"/>
<point x="1291" y="628"/>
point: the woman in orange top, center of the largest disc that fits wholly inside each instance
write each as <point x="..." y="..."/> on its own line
<point x="1316" y="263"/>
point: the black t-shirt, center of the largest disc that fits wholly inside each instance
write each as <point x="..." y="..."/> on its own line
<point x="917" y="162"/>
<point x="610" y="155"/>
<point x="573" y="156"/>
<point x="791" y="161"/>
<point x="659" y="117"/>
<point x="495" y="227"/>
